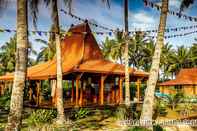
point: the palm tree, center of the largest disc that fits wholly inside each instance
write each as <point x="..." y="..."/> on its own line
<point x="181" y="58"/>
<point x="16" y="104"/>
<point x="113" y="49"/>
<point x="48" y="51"/>
<point x="193" y="52"/>
<point x="167" y="52"/>
<point x="126" y="55"/>
<point x="147" y="111"/>
<point x="7" y="55"/>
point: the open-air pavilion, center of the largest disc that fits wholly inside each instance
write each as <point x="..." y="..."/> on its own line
<point x="94" y="79"/>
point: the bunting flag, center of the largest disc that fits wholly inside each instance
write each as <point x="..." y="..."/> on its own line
<point x="177" y="14"/>
<point x="46" y="33"/>
<point x="85" y="20"/>
<point x="168" y="30"/>
<point x="175" y="35"/>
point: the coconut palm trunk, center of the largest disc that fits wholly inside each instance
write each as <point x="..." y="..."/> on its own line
<point x="16" y="105"/>
<point x="127" y="88"/>
<point x="59" y="91"/>
<point x="147" y="111"/>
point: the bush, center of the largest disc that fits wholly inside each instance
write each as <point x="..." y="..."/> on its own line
<point x="123" y="113"/>
<point x="159" y="108"/>
<point x="81" y="113"/>
<point x="5" y="101"/>
<point x="137" y="128"/>
<point x="41" y="116"/>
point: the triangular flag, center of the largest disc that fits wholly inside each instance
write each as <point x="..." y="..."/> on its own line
<point x="39" y="33"/>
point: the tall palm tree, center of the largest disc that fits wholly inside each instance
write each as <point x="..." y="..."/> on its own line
<point x="53" y="4"/>
<point x="126" y="54"/>
<point x="147" y="110"/>
<point x="16" y="104"/>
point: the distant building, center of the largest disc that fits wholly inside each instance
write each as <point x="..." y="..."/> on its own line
<point x="186" y="82"/>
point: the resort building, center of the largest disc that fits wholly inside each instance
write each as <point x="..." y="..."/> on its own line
<point x="186" y="82"/>
<point x="94" y="79"/>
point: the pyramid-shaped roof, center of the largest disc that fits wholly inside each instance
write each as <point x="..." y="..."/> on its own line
<point x="80" y="53"/>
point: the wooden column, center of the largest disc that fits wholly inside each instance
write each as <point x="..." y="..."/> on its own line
<point x="38" y="86"/>
<point x="77" y="93"/>
<point x="101" y="91"/>
<point x="77" y="89"/>
<point x="72" y="94"/>
<point x="138" y="83"/>
<point x="81" y="94"/>
<point x="82" y="97"/>
<point x="121" y="90"/>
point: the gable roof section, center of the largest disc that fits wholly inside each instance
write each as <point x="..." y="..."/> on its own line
<point x="185" y="77"/>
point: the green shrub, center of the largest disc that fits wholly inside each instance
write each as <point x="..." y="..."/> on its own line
<point x="137" y="128"/>
<point x="5" y="101"/>
<point x="159" y="108"/>
<point x="41" y="116"/>
<point x="123" y="113"/>
<point x="81" y="113"/>
<point x="157" y="128"/>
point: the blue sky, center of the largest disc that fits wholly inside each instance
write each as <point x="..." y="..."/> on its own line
<point x="140" y="18"/>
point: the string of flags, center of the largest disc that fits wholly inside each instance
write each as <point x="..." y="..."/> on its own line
<point x="85" y="20"/>
<point x="177" y="14"/>
<point x="175" y="35"/>
<point x="46" y="33"/>
<point x="167" y="30"/>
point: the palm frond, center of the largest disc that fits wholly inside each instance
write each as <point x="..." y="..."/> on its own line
<point x="33" y="4"/>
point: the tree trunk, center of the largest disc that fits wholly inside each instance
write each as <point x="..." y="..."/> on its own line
<point x="127" y="88"/>
<point x="59" y="91"/>
<point x="147" y="110"/>
<point x="16" y="104"/>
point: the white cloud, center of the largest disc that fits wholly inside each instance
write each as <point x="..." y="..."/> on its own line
<point x="143" y="18"/>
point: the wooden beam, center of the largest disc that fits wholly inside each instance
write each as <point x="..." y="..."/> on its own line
<point x="102" y="86"/>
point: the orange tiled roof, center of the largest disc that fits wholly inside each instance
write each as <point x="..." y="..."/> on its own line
<point x="81" y="53"/>
<point x="185" y="77"/>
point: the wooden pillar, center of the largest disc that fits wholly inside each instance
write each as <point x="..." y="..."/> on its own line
<point x="72" y="94"/>
<point x="30" y="93"/>
<point x="138" y="89"/>
<point x="38" y="86"/>
<point x="77" y="89"/>
<point x="81" y="94"/>
<point x="120" y="90"/>
<point x="101" y="91"/>
<point x="77" y="92"/>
